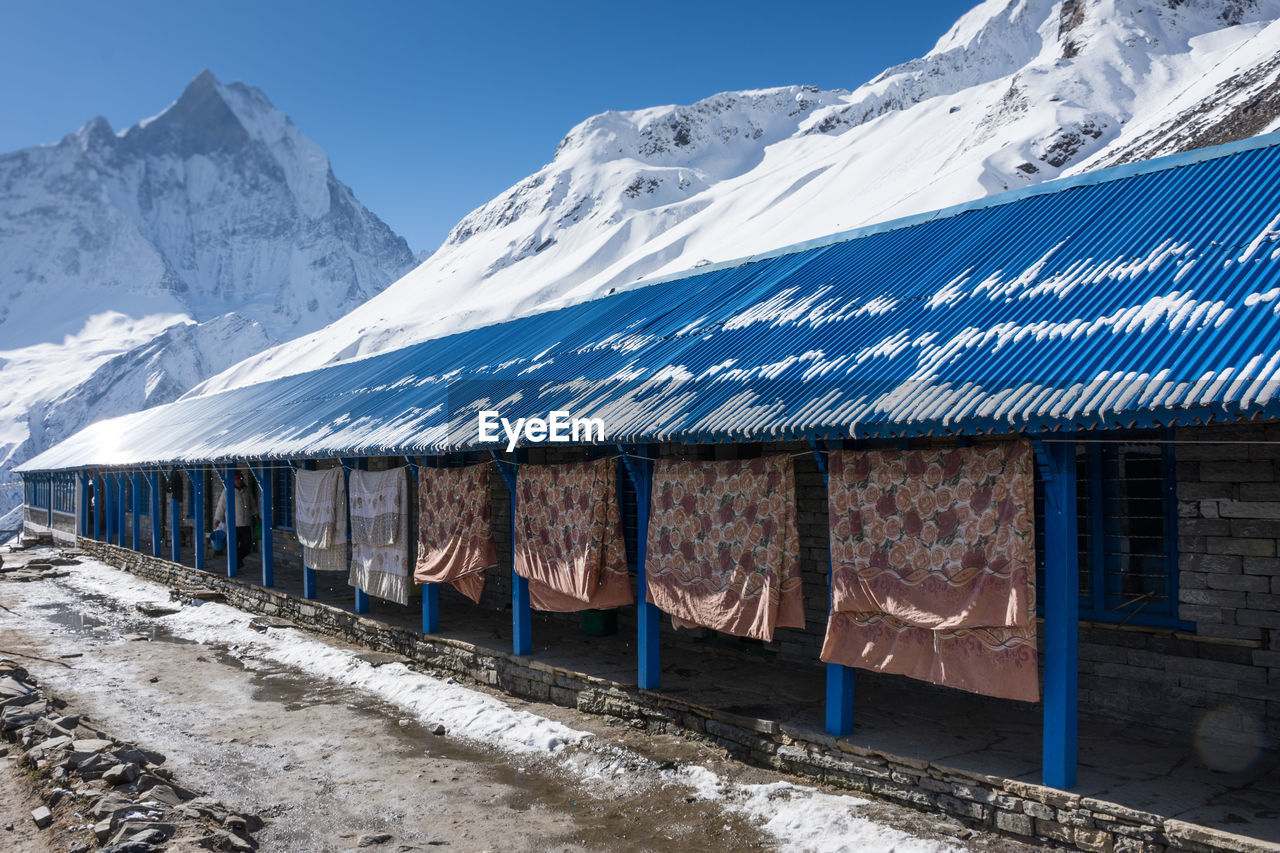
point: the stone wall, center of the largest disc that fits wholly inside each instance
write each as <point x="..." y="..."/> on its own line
<point x="1024" y="810"/>
<point x="1222" y="679"/>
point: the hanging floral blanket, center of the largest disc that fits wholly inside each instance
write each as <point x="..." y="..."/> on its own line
<point x="931" y="557"/>
<point x="320" y="520"/>
<point x="568" y="537"/>
<point x="455" y="539"/>
<point x="724" y="546"/>
<point x="380" y="533"/>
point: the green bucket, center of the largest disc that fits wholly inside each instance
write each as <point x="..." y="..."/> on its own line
<point x="599" y="623"/>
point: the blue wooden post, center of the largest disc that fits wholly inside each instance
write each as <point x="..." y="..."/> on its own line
<point x="521" y="612"/>
<point x="227" y="474"/>
<point x="362" y="597"/>
<point x="430" y="591"/>
<point x="153" y="481"/>
<point x="263" y="474"/>
<point x="135" y="500"/>
<point x="175" y="517"/>
<point x="48" y="504"/>
<point x="639" y="467"/>
<point x="1061" y="613"/>
<point x="839" y="718"/>
<point x="308" y="573"/>
<point x="82" y="522"/>
<point x="197" y="509"/>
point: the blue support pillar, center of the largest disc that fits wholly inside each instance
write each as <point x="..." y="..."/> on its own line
<point x="521" y="612"/>
<point x="197" y="508"/>
<point x="839" y="717"/>
<point x="262" y="473"/>
<point x="227" y="474"/>
<point x="153" y="481"/>
<point x="135" y="501"/>
<point x="308" y="573"/>
<point x="639" y="467"/>
<point x="48" y="480"/>
<point x="362" y="597"/>
<point x="430" y="591"/>
<point x="1061" y="613"/>
<point x="82" y="519"/>
<point x="175" y="517"/>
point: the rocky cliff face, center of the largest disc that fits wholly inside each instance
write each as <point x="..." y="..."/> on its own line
<point x="134" y="265"/>
<point x="1015" y="93"/>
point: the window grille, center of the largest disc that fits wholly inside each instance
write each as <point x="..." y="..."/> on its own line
<point x="282" y="498"/>
<point x="1126" y="516"/>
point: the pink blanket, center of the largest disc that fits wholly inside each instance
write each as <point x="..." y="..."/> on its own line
<point x="455" y="538"/>
<point x="724" y="546"/>
<point x="931" y="556"/>
<point x="568" y="539"/>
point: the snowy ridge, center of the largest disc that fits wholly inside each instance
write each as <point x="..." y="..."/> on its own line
<point x="134" y="265"/>
<point x="1017" y="92"/>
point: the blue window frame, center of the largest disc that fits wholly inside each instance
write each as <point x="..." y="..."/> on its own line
<point x="1126" y="519"/>
<point x="282" y="497"/>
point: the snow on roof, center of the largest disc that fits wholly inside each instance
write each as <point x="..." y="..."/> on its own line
<point x="1135" y="296"/>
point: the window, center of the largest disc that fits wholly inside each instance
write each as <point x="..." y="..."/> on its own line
<point x="1126" y="517"/>
<point x="630" y="513"/>
<point x="282" y="497"/>
<point x="64" y="496"/>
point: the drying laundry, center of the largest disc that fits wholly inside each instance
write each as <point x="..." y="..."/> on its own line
<point x="568" y="538"/>
<point x="380" y="533"/>
<point x="724" y="546"/>
<point x="455" y="537"/>
<point x="931" y="555"/>
<point x="320" y="519"/>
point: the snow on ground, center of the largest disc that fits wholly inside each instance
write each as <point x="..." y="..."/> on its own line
<point x="802" y="818"/>
<point x="462" y="711"/>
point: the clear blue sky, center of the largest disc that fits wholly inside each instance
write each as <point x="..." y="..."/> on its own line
<point x="429" y="109"/>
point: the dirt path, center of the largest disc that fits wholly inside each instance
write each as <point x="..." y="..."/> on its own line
<point x="325" y="762"/>
<point x="17" y="830"/>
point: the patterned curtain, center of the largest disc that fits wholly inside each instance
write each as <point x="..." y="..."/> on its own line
<point x="931" y="557"/>
<point x="319" y="519"/>
<point x="455" y="537"/>
<point x="724" y="546"/>
<point x="569" y="536"/>
<point x="380" y="533"/>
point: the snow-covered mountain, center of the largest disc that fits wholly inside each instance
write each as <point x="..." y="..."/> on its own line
<point x="134" y="265"/>
<point x="1017" y="92"/>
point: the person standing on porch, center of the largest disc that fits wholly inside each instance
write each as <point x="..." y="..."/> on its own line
<point x="246" y="515"/>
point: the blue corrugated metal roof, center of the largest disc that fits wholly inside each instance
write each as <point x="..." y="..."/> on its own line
<point x="1141" y="295"/>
